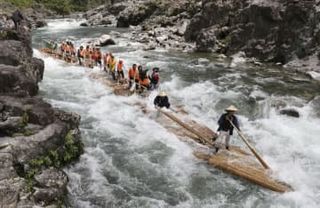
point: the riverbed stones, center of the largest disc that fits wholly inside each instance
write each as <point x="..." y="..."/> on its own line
<point x="33" y="134"/>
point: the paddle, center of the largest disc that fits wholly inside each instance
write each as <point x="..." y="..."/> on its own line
<point x="263" y="163"/>
<point x="187" y="127"/>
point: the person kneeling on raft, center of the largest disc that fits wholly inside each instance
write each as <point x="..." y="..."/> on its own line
<point x="161" y="100"/>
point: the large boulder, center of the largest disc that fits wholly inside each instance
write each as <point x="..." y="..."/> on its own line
<point x="105" y="40"/>
<point x="14" y="80"/>
<point x="206" y="40"/>
<point x="135" y="14"/>
<point x="51" y="184"/>
<point x="275" y="31"/>
<point x="290" y="112"/>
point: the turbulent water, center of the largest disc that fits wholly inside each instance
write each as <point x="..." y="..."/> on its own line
<point x="132" y="161"/>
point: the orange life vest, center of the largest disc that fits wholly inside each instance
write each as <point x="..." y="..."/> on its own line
<point x="133" y="73"/>
<point x="120" y="67"/>
<point x="145" y="82"/>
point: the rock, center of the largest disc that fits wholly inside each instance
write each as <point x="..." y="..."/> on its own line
<point x="50" y="185"/>
<point x="180" y="30"/>
<point x="105" y="40"/>
<point x="33" y="135"/>
<point x="150" y="46"/>
<point x="72" y="119"/>
<point x="84" y="24"/>
<point x="7" y="170"/>
<point x="14" y="80"/>
<point x="10" y="55"/>
<point x="290" y="112"/>
<point x="115" y="34"/>
<point x="115" y="9"/>
<point x="40" y="23"/>
<point x="10" y="126"/>
<point x="9" y="192"/>
<point x="275" y="31"/>
<point x="203" y="61"/>
<point x="136" y="13"/>
<point x="51" y="178"/>
<point x="206" y="40"/>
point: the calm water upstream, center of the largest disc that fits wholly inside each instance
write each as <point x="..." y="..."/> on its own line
<point x="131" y="161"/>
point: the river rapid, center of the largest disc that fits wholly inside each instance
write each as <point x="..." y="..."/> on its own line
<point x="132" y="161"/>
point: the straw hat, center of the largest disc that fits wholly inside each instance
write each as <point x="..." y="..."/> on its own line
<point x="162" y="93"/>
<point x="231" y="108"/>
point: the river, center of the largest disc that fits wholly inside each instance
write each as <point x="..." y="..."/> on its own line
<point x="132" y="161"/>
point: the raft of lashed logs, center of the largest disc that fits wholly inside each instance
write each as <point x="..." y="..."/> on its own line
<point x="235" y="161"/>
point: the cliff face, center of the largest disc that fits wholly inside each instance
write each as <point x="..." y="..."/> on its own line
<point x="36" y="140"/>
<point x="273" y="30"/>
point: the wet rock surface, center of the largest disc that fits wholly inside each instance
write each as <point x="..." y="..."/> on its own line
<point x="276" y="31"/>
<point x="36" y="140"/>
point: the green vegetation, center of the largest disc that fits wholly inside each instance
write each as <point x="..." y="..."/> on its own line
<point x="58" y="158"/>
<point x="59" y="6"/>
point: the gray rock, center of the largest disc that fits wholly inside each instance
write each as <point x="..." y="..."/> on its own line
<point x="275" y="31"/>
<point x="84" y="24"/>
<point x="105" y="40"/>
<point x="7" y="171"/>
<point x="15" y="80"/>
<point x="206" y="40"/>
<point x="290" y="112"/>
<point x="115" y="9"/>
<point x="135" y="13"/>
<point x="9" y="192"/>
<point x="10" y="125"/>
<point x="40" y="23"/>
<point x="52" y="178"/>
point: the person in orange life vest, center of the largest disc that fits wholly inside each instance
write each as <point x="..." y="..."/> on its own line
<point x="120" y="70"/>
<point x="93" y="56"/>
<point x="225" y="129"/>
<point x="144" y="82"/>
<point x="154" y="78"/>
<point x="105" y="61"/>
<point x="98" y="56"/>
<point x="133" y="75"/>
<point x="87" y="56"/>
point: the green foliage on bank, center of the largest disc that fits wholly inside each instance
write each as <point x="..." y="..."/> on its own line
<point x="59" y="6"/>
<point x="70" y="151"/>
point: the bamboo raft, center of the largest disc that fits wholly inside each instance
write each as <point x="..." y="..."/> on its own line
<point x="236" y="161"/>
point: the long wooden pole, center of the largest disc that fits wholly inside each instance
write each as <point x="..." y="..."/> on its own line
<point x="187" y="127"/>
<point x="263" y="163"/>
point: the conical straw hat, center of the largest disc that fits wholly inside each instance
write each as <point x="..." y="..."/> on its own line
<point x="231" y="108"/>
<point x="162" y="93"/>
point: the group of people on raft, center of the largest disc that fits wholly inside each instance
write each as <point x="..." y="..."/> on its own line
<point x="89" y="56"/>
<point x="92" y="56"/>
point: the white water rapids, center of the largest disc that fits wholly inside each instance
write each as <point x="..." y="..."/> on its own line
<point x="132" y="161"/>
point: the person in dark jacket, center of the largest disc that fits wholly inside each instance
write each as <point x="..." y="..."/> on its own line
<point x="225" y="129"/>
<point x="154" y="78"/>
<point x="17" y="17"/>
<point x="161" y="100"/>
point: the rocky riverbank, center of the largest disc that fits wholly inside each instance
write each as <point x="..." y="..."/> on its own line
<point x="36" y="140"/>
<point x="276" y="31"/>
<point x="35" y="15"/>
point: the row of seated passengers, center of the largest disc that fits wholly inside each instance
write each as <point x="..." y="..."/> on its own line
<point x="136" y="74"/>
<point x="90" y="57"/>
